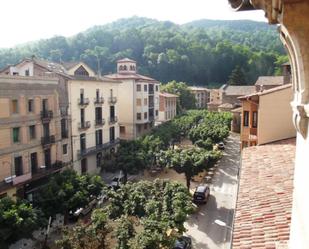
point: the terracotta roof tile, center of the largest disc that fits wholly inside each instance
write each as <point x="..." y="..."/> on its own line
<point x="263" y="211"/>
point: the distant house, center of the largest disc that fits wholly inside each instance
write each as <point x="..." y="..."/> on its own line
<point x="230" y="94"/>
<point x="267" y="116"/>
<point x="167" y="107"/>
<point x="202" y="96"/>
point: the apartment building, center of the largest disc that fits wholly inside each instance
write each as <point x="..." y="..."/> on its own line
<point x="94" y="111"/>
<point x="214" y="99"/>
<point x="267" y="116"/>
<point x="36" y="67"/>
<point x="31" y="147"/>
<point x="202" y="96"/>
<point x="138" y="100"/>
<point x="167" y="107"/>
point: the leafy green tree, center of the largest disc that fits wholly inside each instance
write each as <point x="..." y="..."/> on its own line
<point x="18" y="220"/>
<point x="124" y="232"/>
<point x="68" y="191"/>
<point x="186" y="99"/>
<point x="237" y="77"/>
<point x="83" y="236"/>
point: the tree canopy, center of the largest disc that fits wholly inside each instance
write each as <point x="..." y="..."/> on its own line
<point x="200" y="53"/>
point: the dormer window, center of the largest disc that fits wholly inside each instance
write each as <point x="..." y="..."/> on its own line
<point x="27" y="72"/>
<point x="81" y="71"/>
<point x="120" y="68"/>
<point x="125" y="68"/>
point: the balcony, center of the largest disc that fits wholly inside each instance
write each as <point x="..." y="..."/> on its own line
<point x="47" y="140"/>
<point x="97" y="148"/>
<point x="150" y="89"/>
<point x="44" y="171"/>
<point x="98" y="101"/>
<point x="151" y="104"/>
<point x="83" y="102"/>
<point x="84" y="125"/>
<point x="46" y="115"/>
<point x="113" y="120"/>
<point x="112" y="100"/>
<point x="99" y="122"/>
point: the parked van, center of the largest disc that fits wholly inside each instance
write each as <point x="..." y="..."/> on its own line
<point x="201" y="194"/>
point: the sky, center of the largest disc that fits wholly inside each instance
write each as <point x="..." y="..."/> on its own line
<point x="23" y="21"/>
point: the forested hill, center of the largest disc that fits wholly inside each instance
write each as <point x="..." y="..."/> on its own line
<point x="201" y="52"/>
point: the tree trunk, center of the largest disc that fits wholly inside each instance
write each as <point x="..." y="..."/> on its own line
<point x="188" y="180"/>
<point x="125" y="175"/>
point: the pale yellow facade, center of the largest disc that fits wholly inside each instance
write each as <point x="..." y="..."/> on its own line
<point x="102" y="94"/>
<point x="138" y="100"/>
<point x="202" y="96"/>
<point x="168" y="107"/>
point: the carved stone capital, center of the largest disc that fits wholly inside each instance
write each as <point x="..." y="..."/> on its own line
<point x="301" y="118"/>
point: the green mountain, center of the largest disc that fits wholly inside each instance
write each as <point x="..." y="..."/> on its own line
<point x="200" y="52"/>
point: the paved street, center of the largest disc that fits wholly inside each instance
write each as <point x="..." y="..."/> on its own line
<point x="204" y="232"/>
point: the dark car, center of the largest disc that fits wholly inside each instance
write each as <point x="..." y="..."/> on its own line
<point x="221" y="146"/>
<point x="183" y="242"/>
<point x="116" y="182"/>
<point x="201" y="194"/>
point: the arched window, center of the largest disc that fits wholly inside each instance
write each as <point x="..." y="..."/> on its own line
<point x="120" y="68"/>
<point x="131" y="68"/>
<point x="125" y="68"/>
<point x="81" y="71"/>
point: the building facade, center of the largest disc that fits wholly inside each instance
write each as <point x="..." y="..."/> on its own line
<point x="138" y="100"/>
<point x="202" y="96"/>
<point x="31" y="146"/>
<point x="168" y="106"/>
<point x="94" y="111"/>
<point x="266" y="116"/>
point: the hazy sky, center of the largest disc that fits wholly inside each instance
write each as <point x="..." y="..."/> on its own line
<point x="23" y="21"/>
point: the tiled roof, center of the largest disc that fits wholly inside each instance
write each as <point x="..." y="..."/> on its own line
<point x="264" y="203"/>
<point x="237" y="90"/>
<point x="270" y="81"/>
<point x="226" y="105"/>
<point x="134" y="76"/>
<point x="271" y="90"/>
<point x="126" y="60"/>
<point x="168" y="95"/>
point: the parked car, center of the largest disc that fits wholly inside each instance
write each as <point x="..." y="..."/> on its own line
<point x="221" y="146"/>
<point x="116" y="182"/>
<point x="82" y="211"/>
<point x="201" y="194"/>
<point x="183" y="242"/>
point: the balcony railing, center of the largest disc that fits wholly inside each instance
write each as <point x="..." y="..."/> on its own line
<point x="97" y="148"/>
<point x="84" y="125"/>
<point x="113" y="120"/>
<point x="98" y="101"/>
<point x="46" y="115"/>
<point x="47" y="140"/>
<point x="112" y="100"/>
<point x="151" y="90"/>
<point x="99" y="122"/>
<point x="83" y="101"/>
<point x="151" y="104"/>
<point x="43" y="171"/>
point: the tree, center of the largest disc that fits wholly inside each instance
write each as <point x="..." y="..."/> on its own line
<point x="124" y="232"/>
<point x="237" y="77"/>
<point x="68" y="191"/>
<point x="84" y="236"/>
<point x="18" y="220"/>
<point x="186" y="99"/>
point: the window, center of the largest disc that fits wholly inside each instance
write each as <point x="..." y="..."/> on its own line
<point x="138" y="87"/>
<point x="82" y="139"/>
<point x="27" y="72"/>
<point x="138" y="116"/>
<point x="145" y="101"/>
<point x="18" y="163"/>
<point x="122" y="129"/>
<point x="16" y="138"/>
<point x="81" y="95"/>
<point x="99" y="159"/>
<point x="14" y="106"/>
<point x="145" y="115"/>
<point x="138" y="102"/>
<point x="254" y="119"/>
<point x="111" y="134"/>
<point x="64" y="130"/>
<point x="30" y="105"/>
<point x="65" y="149"/>
<point x="246" y="118"/>
<point x="81" y="71"/>
<point x="145" y="126"/>
<point x="157" y="88"/>
<point x="32" y="134"/>
<point x="98" y="114"/>
<point x="157" y="112"/>
<point x="125" y="68"/>
<point x="45" y="105"/>
<point x="98" y="137"/>
<point x="97" y="94"/>
<point x="145" y="88"/>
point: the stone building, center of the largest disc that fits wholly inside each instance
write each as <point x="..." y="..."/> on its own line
<point x="202" y="96"/>
<point x="31" y="145"/>
<point x="138" y="100"/>
<point x="168" y="106"/>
